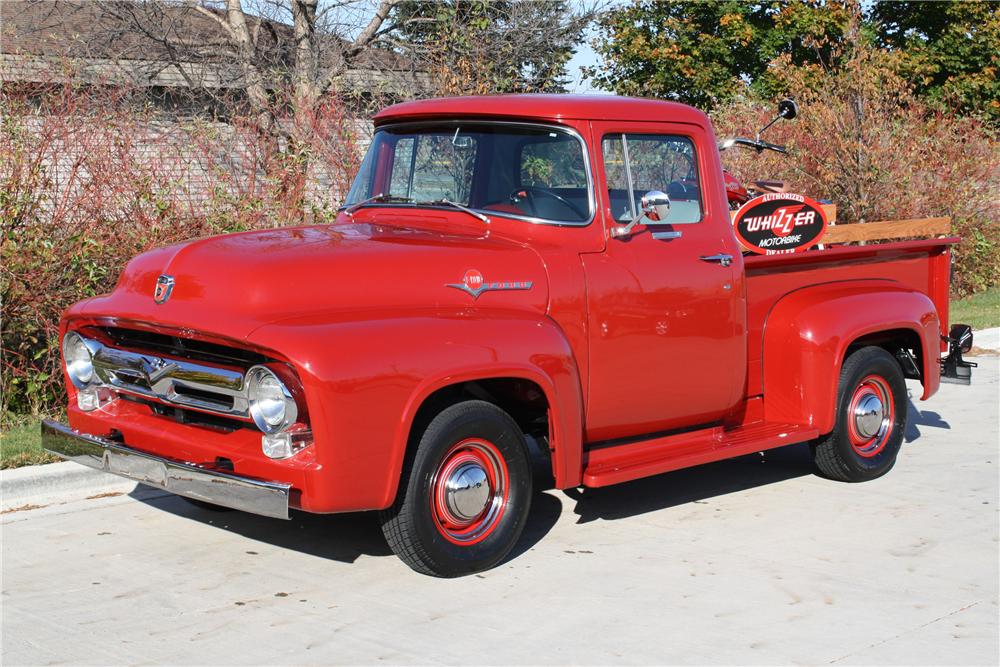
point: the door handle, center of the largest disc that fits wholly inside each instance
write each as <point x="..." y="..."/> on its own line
<point x="723" y="259"/>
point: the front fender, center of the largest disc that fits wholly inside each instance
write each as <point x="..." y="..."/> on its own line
<point x="807" y="334"/>
<point x="366" y="379"/>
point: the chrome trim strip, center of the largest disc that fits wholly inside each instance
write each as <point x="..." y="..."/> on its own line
<point x="565" y="129"/>
<point x="184" y="479"/>
<point x="126" y="371"/>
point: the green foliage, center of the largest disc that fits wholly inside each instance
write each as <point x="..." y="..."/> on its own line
<point x="950" y="50"/>
<point x="486" y="46"/>
<point x="21" y="444"/>
<point x="710" y="53"/>
<point x="981" y="311"/>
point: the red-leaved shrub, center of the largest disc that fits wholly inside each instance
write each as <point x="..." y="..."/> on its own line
<point x="91" y="176"/>
<point x="862" y="140"/>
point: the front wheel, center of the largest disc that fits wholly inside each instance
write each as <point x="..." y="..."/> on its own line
<point x="464" y="495"/>
<point x="871" y="418"/>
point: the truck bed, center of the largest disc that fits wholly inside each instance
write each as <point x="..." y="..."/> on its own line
<point x="923" y="265"/>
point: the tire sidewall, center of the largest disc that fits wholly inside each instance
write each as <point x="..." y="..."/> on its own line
<point x="485" y="422"/>
<point x="877" y="362"/>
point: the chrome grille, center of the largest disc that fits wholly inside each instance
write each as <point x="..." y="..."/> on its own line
<point x="181" y="348"/>
<point x="184" y="383"/>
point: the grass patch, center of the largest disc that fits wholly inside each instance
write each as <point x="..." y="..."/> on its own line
<point x="21" y="445"/>
<point x="982" y="310"/>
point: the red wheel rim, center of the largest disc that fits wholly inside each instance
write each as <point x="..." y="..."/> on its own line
<point x="870" y="416"/>
<point x="469" y="491"/>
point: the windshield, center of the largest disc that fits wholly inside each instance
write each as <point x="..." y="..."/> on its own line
<point x="510" y="170"/>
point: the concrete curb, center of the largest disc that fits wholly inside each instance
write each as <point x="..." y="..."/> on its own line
<point x="56" y="482"/>
<point x="987" y="339"/>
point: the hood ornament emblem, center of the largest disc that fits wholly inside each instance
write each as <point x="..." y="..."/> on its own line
<point x="474" y="284"/>
<point x="164" y="287"/>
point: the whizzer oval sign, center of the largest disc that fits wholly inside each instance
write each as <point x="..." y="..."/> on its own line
<point x="779" y="223"/>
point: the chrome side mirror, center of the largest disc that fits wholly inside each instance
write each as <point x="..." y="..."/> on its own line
<point x="655" y="205"/>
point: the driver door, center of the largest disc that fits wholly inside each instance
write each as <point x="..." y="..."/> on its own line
<point x="667" y="345"/>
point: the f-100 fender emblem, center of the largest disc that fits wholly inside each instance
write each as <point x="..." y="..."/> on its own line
<point x="474" y="284"/>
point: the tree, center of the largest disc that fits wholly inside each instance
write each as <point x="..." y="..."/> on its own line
<point x="260" y="48"/>
<point x="284" y="64"/>
<point x="487" y="46"/>
<point x="708" y="53"/>
<point x="949" y="50"/>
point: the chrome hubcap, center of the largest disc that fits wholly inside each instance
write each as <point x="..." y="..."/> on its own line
<point x="467" y="491"/>
<point x="868" y="416"/>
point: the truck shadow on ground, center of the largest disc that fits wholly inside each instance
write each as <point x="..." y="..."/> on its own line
<point x="691" y="485"/>
<point x="345" y="537"/>
<point x="339" y="537"/>
<point x="701" y="483"/>
<point x="918" y="418"/>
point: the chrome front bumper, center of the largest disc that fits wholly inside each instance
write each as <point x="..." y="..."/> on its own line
<point x="184" y="479"/>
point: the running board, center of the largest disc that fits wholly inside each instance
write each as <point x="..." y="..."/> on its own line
<point x="621" y="463"/>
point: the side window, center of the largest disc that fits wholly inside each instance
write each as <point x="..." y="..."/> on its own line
<point x="634" y="164"/>
<point x="402" y="168"/>
<point x="616" y="173"/>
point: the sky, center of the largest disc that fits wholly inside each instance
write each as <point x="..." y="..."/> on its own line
<point x="584" y="57"/>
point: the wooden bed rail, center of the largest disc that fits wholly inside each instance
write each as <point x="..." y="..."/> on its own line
<point x="893" y="229"/>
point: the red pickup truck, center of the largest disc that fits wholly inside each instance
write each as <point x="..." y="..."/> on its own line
<point x="511" y="277"/>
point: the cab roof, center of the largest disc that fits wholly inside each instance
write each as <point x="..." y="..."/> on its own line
<point x="544" y="106"/>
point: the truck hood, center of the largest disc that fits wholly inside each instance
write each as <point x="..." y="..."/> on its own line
<point x="231" y="285"/>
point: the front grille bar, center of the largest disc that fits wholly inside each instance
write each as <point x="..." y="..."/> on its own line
<point x="177" y="382"/>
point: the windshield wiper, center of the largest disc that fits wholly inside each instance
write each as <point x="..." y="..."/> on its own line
<point x="376" y="199"/>
<point x="460" y="207"/>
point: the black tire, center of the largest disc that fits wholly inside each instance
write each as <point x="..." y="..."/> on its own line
<point x="417" y="528"/>
<point x="850" y="453"/>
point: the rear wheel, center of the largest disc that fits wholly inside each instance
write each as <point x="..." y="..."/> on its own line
<point x="871" y="418"/>
<point x="465" y="493"/>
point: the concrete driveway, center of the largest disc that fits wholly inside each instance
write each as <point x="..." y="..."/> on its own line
<point x="749" y="561"/>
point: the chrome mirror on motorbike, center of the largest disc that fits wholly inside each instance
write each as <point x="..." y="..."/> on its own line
<point x="787" y="109"/>
<point x="655" y="205"/>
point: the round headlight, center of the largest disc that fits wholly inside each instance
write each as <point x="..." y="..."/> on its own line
<point x="79" y="363"/>
<point x="271" y="404"/>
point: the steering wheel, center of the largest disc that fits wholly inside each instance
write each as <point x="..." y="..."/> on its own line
<point x="528" y="193"/>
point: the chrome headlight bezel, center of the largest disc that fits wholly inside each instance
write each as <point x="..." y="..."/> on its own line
<point x="276" y="410"/>
<point x="78" y="360"/>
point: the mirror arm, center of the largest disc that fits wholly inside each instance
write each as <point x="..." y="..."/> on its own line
<point x="773" y="121"/>
<point x="624" y="231"/>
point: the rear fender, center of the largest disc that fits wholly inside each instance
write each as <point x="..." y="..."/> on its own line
<point x="366" y="380"/>
<point x="807" y="335"/>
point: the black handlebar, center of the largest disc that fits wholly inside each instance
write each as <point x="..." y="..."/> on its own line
<point x="756" y="144"/>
